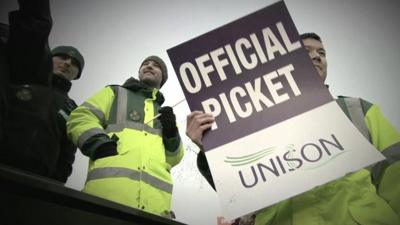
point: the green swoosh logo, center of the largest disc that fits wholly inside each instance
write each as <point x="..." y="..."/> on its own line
<point x="247" y="159"/>
<point x="326" y="162"/>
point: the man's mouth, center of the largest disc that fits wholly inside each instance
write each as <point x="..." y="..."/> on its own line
<point x="318" y="67"/>
<point x="62" y="69"/>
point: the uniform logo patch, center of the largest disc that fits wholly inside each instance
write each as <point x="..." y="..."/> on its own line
<point x="134" y="115"/>
<point x="24" y="94"/>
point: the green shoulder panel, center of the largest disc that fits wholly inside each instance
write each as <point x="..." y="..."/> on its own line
<point x="366" y="105"/>
<point x="342" y="104"/>
<point x="354" y="110"/>
<point x="113" y="110"/>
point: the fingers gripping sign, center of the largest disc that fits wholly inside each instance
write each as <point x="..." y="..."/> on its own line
<point x="197" y="123"/>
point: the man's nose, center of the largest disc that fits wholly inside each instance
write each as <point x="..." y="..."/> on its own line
<point x="315" y="56"/>
<point x="149" y="67"/>
<point x="68" y="61"/>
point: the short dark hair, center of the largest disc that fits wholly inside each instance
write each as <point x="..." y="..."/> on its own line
<point x="311" y="35"/>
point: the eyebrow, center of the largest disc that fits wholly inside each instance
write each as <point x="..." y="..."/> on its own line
<point x="318" y="49"/>
<point x="155" y="63"/>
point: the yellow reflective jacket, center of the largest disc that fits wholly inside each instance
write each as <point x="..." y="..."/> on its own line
<point x="139" y="176"/>
<point x="368" y="196"/>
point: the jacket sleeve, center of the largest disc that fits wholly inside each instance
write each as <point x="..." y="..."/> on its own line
<point x="174" y="150"/>
<point x="65" y="160"/>
<point x="386" y="174"/>
<point x="86" y="124"/>
<point x="67" y="148"/>
<point x="28" y="51"/>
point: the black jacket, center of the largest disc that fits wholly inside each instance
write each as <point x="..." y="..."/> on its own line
<point x="33" y="122"/>
<point x="64" y="106"/>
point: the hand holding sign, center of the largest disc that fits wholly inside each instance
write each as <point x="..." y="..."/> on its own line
<point x="197" y="123"/>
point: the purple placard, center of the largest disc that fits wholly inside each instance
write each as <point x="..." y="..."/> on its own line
<point x="254" y="69"/>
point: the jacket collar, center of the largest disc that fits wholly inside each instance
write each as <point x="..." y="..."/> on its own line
<point x="135" y="85"/>
<point x="61" y="84"/>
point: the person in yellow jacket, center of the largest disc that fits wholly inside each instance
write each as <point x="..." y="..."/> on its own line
<point x="130" y="152"/>
<point x="368" y="196"/>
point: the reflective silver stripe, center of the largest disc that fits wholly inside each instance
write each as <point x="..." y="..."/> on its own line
<point x="108" y="172"/>
<point x="392" y="154"/>
<point x="88" y="134"/>
<point x="155" y="182"/>
<point x="98" y="113"/>
<point x="63" y="114"/>
<point x="357" y="115"/>
<point x="114" y="172"/>
<point x="122" y="104"/>
<point x="132" y="125"/>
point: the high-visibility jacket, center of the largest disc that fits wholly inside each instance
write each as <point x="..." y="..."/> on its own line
<point x="368" y="196"/>
<point x="139" y="176"/>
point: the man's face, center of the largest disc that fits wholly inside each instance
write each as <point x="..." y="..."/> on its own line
<point x="150" y="74"/>
<point x="65" y="67"/>
<point x="317" y="53"/>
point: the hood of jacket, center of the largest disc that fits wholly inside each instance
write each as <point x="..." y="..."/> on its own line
<point x="134" y="84"/>
<point x="61" y="84"/>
